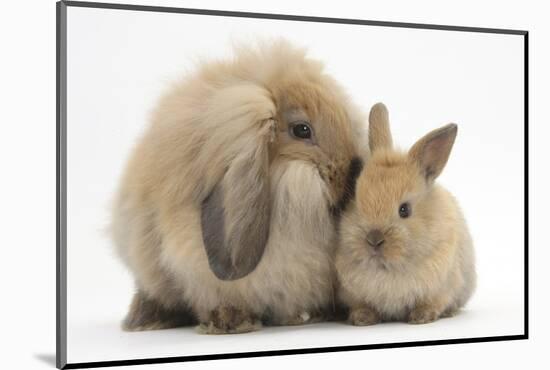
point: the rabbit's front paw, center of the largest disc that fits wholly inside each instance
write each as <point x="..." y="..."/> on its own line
<point x="424" y="314"/>
<point x="363" y="316"/>
<point x="229" y="320"/>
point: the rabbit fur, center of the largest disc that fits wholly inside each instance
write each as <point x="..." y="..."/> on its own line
<point x="415" y="268"/>
<point x="223" y="215"/>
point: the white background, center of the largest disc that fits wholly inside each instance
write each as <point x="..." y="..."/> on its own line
<point x="28" y="273"/>
<point x="119" y="62"/>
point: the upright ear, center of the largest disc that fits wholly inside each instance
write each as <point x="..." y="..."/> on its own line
<point x="235" y="216"/>
<point x="432" y="151"/>
<point x="379" y="128"/>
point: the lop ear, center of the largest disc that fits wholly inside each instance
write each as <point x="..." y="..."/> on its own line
<point x="235" y="215"/>
<point x="379" y="128"/>
<point x="432" y="151"/>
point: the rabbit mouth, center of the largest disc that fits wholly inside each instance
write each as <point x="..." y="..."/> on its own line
<point x="378" y="260"/>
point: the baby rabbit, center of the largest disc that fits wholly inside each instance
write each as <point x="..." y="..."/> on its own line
<point x="226" y="214"/>
<point x="404" y="250"/>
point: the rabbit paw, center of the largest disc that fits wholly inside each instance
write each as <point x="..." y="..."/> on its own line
<point x="229" y="320"/>
<point x="363" y="316"/>
<point x="148" y="314"/>
<point x="424" y="315"/>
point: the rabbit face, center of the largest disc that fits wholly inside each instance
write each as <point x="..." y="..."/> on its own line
<point x="314" y="128"/>
<point x="256" y="125"/>
<point x="392" y="220"/>
<point x="389" y="213"/>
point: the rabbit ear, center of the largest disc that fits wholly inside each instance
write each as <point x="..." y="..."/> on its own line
<point x="432" y="151"/>
<point x="379" y="128"/>
<point x="235" y="216"/>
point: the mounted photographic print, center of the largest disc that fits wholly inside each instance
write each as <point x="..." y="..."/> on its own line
<point x="241" y="184"/>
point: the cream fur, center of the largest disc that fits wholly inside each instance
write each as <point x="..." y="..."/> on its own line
<point x="292" y="276"/>
<point x="426" y="269"/>
<point x="226" y="112"/>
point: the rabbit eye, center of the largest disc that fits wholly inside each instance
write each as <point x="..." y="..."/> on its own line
<point x="404" y="210"/>
<point x="301" y="130"/>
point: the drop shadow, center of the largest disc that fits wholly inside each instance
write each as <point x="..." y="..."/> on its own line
<point x="47" y="358"/>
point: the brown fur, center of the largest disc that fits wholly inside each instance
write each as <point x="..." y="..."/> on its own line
<point x="363" y="315"/>
<point x="220" y="206"/>
<point x="230" y="320"/>
<point x="148" y="314"/>
<point x="424" y="269"/>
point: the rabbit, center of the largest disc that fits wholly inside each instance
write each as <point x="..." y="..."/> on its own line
<point x="404" y="250"/>
<point x="227" y="210"/>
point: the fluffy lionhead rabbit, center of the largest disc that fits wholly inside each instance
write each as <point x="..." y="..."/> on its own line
<point x="404" y="250"/>
<point x="226" y="212"/>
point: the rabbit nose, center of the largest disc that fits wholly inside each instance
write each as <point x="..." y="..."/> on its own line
<point x="375" y="238"/>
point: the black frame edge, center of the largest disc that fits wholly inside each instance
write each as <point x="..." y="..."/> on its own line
<point x="222" y="356"/>
<point x="526" y="179"/>
<point x="61" y="183"/>
<point x="289" y="17"/>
